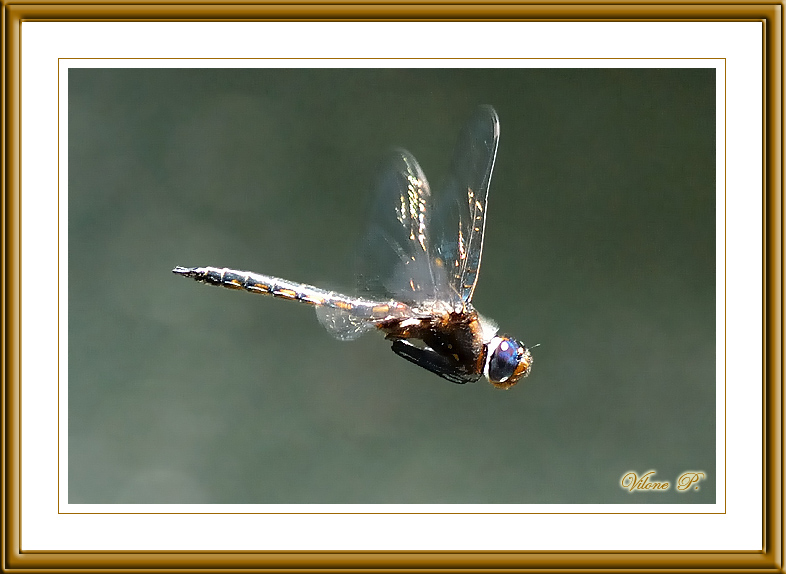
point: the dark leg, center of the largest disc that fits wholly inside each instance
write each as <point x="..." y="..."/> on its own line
<point x="432" y="361"/>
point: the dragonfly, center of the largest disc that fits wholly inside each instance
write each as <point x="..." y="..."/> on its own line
<point x="417" y="268"/>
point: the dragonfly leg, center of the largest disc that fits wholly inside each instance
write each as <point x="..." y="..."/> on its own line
<point x="432" y="361"/>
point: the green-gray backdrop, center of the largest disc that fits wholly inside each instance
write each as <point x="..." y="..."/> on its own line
<point x="600" y="246"/>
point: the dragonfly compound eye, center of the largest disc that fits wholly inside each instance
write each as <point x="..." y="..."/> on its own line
<point x="508" y="361"/>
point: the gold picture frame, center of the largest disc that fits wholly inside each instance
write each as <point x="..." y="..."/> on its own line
<point x="769" y="558"/>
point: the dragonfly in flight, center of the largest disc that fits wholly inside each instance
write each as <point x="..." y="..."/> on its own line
<point x="417" y="268"/>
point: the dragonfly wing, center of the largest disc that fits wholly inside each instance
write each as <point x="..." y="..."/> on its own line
<point x="342" y="324"/>
<point x="395" y="258"/>
<point x="461" y="213"/>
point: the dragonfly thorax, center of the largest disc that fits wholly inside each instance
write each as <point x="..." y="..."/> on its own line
<point x="436" y="308"/>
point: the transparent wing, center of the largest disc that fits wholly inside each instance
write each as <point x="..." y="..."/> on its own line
<point x="460" y="217"/>
<point x="395" y="259"/>
<point x="342" y="324"/>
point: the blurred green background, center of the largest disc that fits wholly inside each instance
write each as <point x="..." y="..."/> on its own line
<point x="600" y="246"/>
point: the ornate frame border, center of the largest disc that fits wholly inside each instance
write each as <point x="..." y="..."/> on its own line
<point x="769" y="559"/>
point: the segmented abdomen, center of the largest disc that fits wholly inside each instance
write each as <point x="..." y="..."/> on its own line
<point x="268" y="285"/>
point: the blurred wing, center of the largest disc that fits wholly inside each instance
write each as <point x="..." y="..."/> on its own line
<point x="461" y="214"/>
<point x="343" y="324"/>
<point x="395" y="258"/>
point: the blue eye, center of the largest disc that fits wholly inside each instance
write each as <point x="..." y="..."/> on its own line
<point x="509" y="361"/>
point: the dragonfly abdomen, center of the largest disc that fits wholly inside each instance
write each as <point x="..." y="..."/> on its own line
<point x="277" y="287"/>
<point x="256" y="283"/>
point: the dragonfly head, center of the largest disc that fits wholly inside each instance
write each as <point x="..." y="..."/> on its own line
<point x="507" y="360"/>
